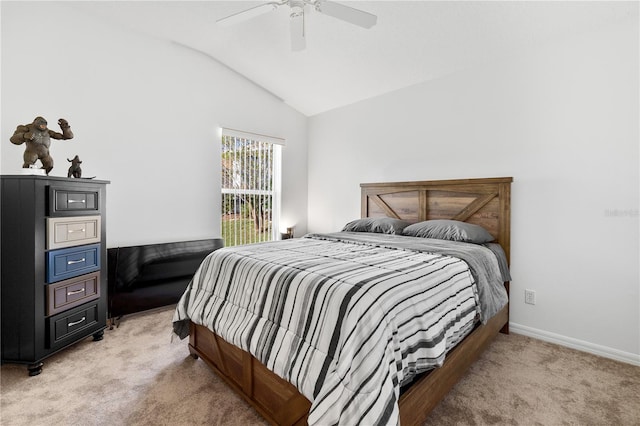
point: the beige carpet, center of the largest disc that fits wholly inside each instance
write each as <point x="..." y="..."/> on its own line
<point x="138" y="376"/>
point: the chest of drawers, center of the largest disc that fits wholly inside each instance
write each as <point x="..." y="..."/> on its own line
<point x="53" y="269"/>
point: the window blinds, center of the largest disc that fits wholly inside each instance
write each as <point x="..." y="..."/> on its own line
<point x="250" y="187"/>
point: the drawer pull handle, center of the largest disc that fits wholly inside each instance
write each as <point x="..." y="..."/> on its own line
<point x="72" y="262"/>
<point x="77" y="201"/>
<point x="71" y="324"/>
<point x="71" y="293"/>
<point x="75" y="230"/>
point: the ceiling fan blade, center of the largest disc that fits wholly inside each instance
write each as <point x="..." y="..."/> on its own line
<point x="355" y="16"/>
<point x="247" y="14"/>
<point x="296" y="25"/>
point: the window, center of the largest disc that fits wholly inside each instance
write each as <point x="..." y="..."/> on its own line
<point x="250" y="187"/>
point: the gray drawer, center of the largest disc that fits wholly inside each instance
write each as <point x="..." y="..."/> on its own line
<point x="72" y="231"/>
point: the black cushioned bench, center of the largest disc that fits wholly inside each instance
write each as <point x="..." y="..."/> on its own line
<point x="153" y="275"/>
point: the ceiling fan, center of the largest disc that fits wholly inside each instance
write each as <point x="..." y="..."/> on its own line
<point x="296" y="22"/>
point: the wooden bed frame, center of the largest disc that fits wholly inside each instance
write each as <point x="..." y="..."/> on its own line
<point x="485" y="202"/>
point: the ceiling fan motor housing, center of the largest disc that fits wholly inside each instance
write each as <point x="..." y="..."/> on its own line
<point x="297" y="8"/>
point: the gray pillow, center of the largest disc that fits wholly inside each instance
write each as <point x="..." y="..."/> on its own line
<point x="381" y="225"/>
<point x="452" y="230"/>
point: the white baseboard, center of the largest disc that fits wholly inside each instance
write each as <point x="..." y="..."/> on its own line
<point x="572" y="343"/>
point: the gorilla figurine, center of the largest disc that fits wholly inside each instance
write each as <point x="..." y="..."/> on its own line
<point x="75" y="170"/>
<point x="38" y="139"/>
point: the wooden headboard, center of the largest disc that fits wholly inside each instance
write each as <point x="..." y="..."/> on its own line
<point x="485" y="202"/>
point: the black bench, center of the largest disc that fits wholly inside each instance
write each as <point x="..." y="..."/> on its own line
<point x="153" y="275"/>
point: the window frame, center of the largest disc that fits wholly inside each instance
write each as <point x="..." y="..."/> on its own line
<point x="276" y="175"/>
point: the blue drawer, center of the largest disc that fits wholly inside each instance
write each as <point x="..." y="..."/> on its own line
<point x="71" y="262"/>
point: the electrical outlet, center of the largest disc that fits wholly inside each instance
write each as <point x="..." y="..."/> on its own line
<point x="530" y="297"/>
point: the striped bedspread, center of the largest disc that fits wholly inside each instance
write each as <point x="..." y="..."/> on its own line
<point x="345" y="321"/>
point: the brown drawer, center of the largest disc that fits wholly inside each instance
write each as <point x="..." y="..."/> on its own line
<point x="72" y="231"/>
<point x="66" y="294"/>
<point x="67" y="326"/>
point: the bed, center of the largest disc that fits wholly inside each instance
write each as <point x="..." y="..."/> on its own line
<point x="365" y="368"/>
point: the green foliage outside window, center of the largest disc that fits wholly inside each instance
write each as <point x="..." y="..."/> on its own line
<point x="247" y="190"/>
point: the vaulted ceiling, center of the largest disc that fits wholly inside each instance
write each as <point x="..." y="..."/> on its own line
<point x="412" y="42"/>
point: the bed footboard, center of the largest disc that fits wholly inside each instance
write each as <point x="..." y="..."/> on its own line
<point x="280" y="402"/>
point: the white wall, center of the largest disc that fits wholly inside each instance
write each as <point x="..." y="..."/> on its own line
<point x="563" y="121"/>
<point x="145" y="114"/>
